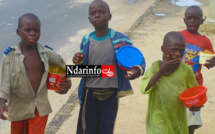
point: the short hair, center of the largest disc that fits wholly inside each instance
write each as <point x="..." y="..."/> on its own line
<point x="29" y="16"/>
<point x="194" y="7"/>
<point x="103" y="2"/>
<point x="173" y="35"/>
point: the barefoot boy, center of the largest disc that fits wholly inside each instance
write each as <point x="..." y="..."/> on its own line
<point x="164" y="81"/>
<point x="24" y="70"/>
<point x="195" y="43"/>
<point x="99" y="96"/>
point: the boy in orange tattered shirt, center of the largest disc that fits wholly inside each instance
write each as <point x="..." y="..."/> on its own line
<point x="23" y="75"/>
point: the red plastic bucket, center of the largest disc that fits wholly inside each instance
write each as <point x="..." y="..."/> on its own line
<point x="195" y="96"/>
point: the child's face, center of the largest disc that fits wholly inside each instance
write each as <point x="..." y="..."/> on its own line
<point x="99" y="15"/>
<point x="29" y="31"/>
<point x="174" y="50"/>
<point x="193" y="19"/>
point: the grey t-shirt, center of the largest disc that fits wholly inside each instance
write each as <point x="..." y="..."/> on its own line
<point x="101" y="52"/>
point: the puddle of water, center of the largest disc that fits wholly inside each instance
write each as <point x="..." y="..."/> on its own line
<point x="131" y="1"/>
<point x="185" y="3"/>
<point x="159" y="14"/>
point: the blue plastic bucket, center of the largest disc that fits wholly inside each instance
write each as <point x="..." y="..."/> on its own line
<point x="128" y="56"/>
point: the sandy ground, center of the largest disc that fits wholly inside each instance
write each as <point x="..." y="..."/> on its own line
<point x="148" y="38"/>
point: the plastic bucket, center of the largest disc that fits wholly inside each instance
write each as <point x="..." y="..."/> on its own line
<point x="125" y="69"/>
<point x="195" y="96"/>
<point x="55" y="78"/>
<point x="204" y="57"/>
<point x="128" y="56"/>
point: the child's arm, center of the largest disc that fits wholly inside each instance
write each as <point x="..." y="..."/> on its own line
<point x="3" y="108"/>
<point x="147" y="76"/>
<point x="136" y="71"/>
<point x="211" y="63"/>
<point x="165" y="66"/>
<point x="78" y="58"/>
<point x="191" y="82"/>
<point x="4" y="84"/>
<point x="154" y="79"/>
<point x="194" y="108"/>
<point x="64" y="86"/>
<point x="55" y="59"/>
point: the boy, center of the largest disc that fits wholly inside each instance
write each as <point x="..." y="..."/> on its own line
<point x="99" y="96"/>
<point x="164" y="81"/>
<point x="195" y="43"/>
<point x="24" y="70"/>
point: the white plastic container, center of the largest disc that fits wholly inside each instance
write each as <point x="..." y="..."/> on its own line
<point x="203" y="57"/>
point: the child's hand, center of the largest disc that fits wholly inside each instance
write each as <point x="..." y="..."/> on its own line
<point x="78" y="58"/>
<point x="211" y="63"/>
<point x="167" y="65"/>
<point x="134" y="73"/>
<point x="195" y="108"/>
<point x="3" y="108"/>
<point x="64" y="86"/>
